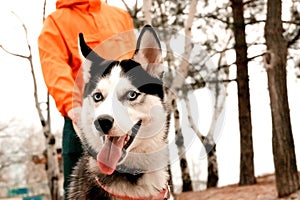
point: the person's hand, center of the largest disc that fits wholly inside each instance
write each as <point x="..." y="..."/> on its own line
<point x="74" y="114"/>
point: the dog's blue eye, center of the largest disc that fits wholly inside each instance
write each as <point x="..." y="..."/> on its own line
<point x="132" y="95"/>
<point x="97" y="97"/>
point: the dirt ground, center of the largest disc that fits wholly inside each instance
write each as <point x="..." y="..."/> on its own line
<point x="265" y="189"/>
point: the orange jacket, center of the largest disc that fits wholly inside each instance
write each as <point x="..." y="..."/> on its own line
<point x="58" y="43"/>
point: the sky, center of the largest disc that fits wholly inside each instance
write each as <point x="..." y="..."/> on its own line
<point x="17" y="95"/>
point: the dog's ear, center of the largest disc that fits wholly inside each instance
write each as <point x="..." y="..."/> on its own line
<point x="88" y="57"/>
<point x="148" y="52"/>
<point x="87" y="52"/>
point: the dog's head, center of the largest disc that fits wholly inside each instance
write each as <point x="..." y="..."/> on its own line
<point x="123" y="114"/>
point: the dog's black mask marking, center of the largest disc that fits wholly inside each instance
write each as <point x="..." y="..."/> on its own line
<point x="100" y="67"/>
<point x="98" y="70"/>
<point x="139" y="77"/>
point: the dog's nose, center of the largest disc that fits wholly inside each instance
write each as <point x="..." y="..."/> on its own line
<point x="104" y="123"/>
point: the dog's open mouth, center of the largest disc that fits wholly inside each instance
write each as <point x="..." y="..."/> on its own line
<point x="114" y="150"/>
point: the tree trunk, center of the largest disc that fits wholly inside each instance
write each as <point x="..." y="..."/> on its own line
<point x="212" y="164"/>
<point x="247" y="176"/>
<point x="183" y="69"/>
<point x="210" y="147"/>
<point x="147" y="4"/>
<point x="287" y="180"/>
<point x="176" y="84"/>
<point x="179" y="140"/>
<point x="52" y="166"/>
<point x="170" y="180"/>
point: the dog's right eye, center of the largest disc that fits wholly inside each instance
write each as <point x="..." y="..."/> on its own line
<point x="131" y="95"/>
<point x="97" y="97"/>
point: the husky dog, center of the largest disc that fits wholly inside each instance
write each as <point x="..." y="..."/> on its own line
<point x="123" y="126"/>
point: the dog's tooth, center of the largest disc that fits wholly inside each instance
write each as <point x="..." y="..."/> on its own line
<point x="126" y="139"/>
<point x="119" y="138"/>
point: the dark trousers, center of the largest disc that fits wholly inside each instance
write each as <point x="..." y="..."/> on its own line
<point x="71" y="151"/>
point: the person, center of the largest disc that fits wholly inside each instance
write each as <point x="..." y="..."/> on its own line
<point x="61" y="61"/>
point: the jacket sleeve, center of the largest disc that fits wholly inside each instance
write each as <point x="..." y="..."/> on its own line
<point x="54" y="57"/>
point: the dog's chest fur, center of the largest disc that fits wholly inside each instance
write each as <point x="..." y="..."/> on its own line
<point x="87" y="187"/>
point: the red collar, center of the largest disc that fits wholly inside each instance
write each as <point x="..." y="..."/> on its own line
<point x="162" y="195"/>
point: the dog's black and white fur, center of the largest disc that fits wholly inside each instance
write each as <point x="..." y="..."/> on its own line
<point x="123" y="125"/>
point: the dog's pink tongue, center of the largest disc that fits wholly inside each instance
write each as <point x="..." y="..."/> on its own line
<point x="110" y="154"/>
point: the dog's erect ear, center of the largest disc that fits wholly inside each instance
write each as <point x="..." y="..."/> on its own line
<point x="88" y="57"/>
<point x="148" y="52"/>
<point x="87" y="52"/>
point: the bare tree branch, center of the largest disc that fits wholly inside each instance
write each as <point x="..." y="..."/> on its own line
<point x="44" y="10"/>
<point x="11" y="53"/>
<point x="127" y="7"/>
<point x="29" y="58"/>
<point x="25" y="31"/>
<point x="291" y="22"/>
<point x="249" y="2"/>
<point x="184" y="65"/>
<point x="147" y="11"/>
<point x="212" y="16"/>
<point x="26" y="36"/>
<point x="234" y="63"/>
<point x="292" y="41"/>
<point x="253" y="21"/>
<point x="256" y="56"/>
<point x="191" y="121"/>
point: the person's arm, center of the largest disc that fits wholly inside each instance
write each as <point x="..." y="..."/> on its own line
<point x="54" y="57"/>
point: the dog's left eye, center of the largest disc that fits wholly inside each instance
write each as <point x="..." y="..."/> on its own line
<point x="132" y="95"/>
<point x="97" y="97"/>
